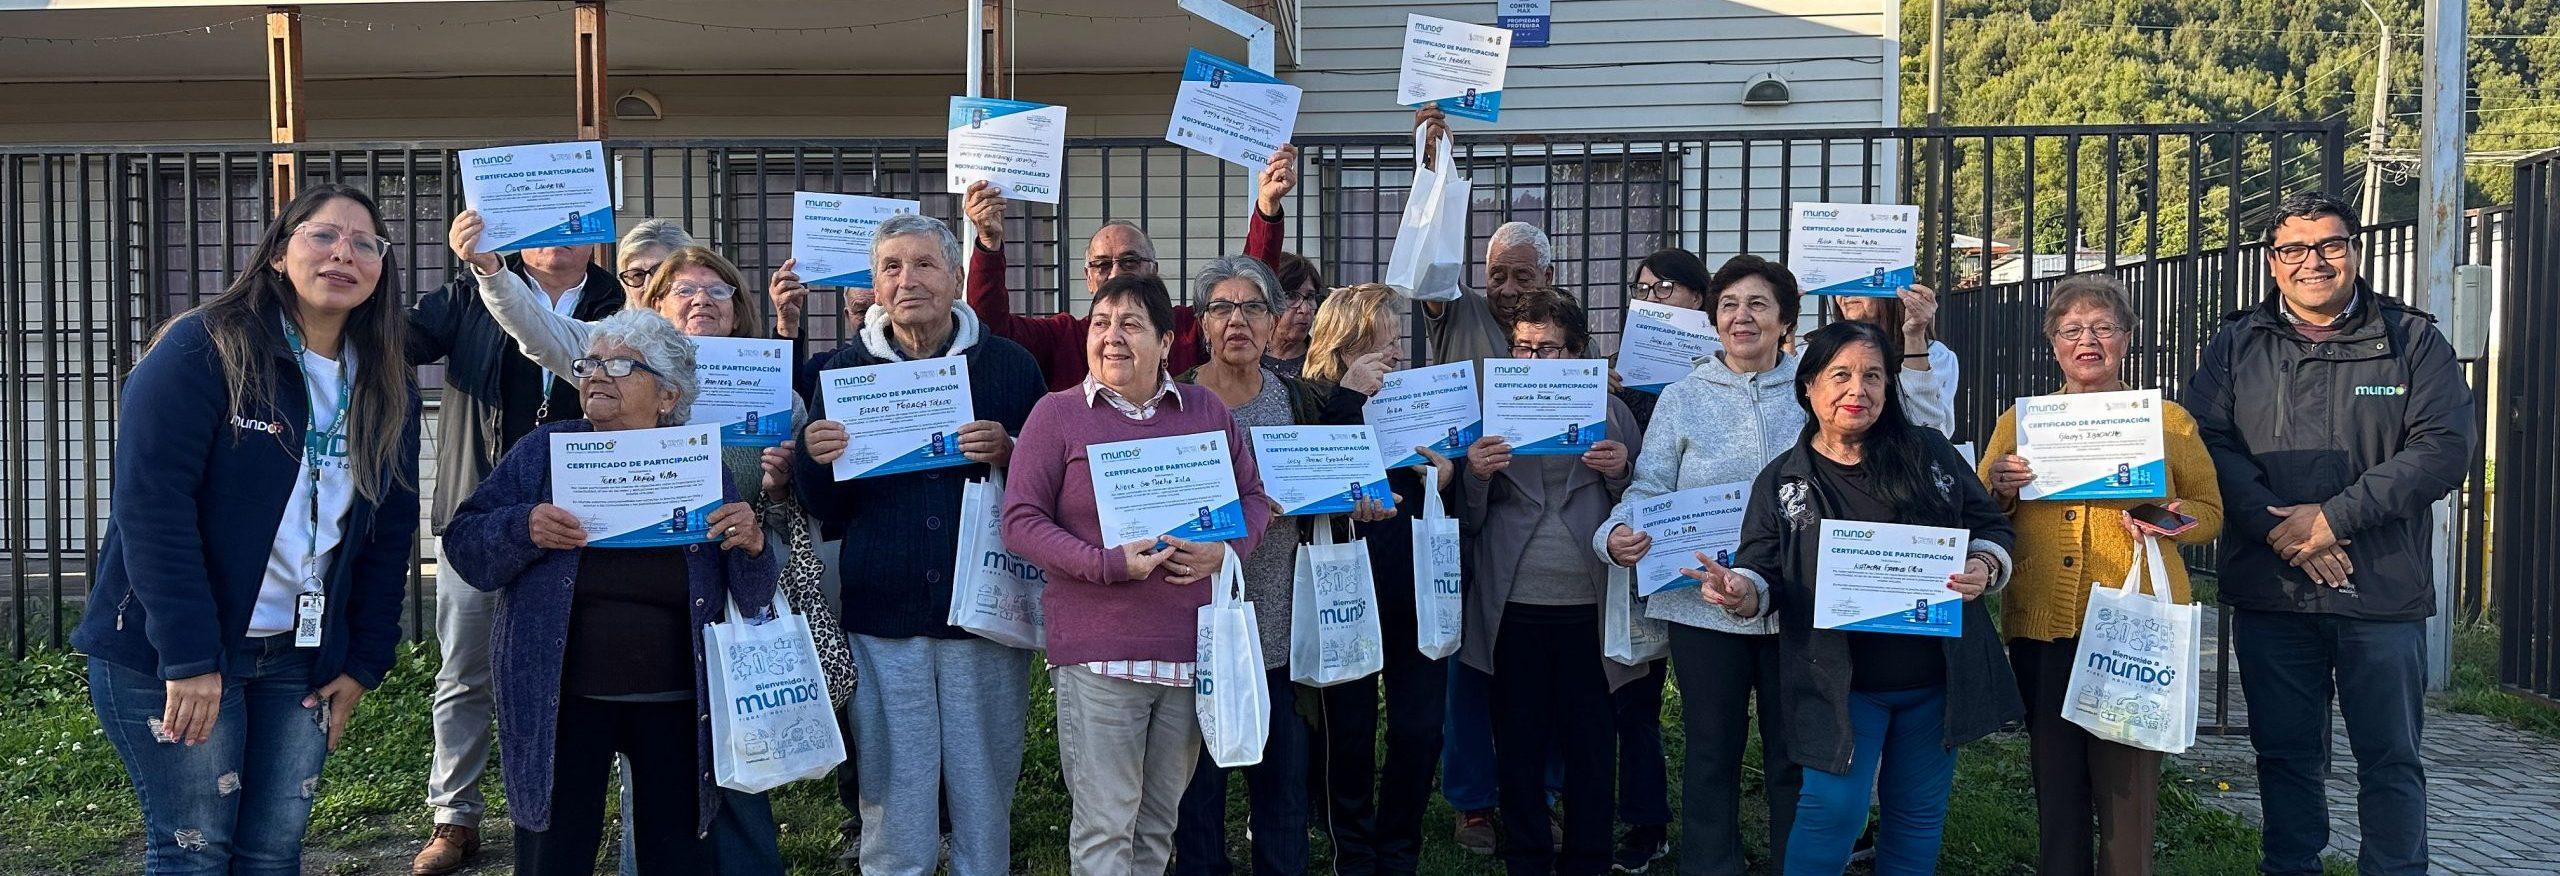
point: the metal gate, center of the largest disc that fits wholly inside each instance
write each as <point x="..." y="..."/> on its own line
<point x="2526" y="560"/>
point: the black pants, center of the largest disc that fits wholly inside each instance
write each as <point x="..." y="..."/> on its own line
<point x="1374" y="813"/>
<point x="659" y="740"/>
<point x="2291" y="667"/>
<point x="1644" y="791"/>
<point x="2078" y="775"/>
<point x="1276" y="799"/>
<point x="848" y="780"/>
<point x="1719" y="674"/>
<point x="1546" y="677"/>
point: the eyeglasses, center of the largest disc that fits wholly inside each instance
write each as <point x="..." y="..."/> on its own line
<point x="1310" y="298"/>
<point x="617" y="367"/>
<point x="2105" y="331"/>
<point x="1537" y="351"/>
<point x="1657" y="291"/>
<point x="368" y="248"/>
<point x="636" y="277"/>
<point x="1224" y="310"/>
<point x="716" y="291"/>
<point x="2332" y="249"/>
<point x="1124" y="264"/>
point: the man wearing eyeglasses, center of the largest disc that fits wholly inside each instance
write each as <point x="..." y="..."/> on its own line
<point x="1119" y="248"/>
<point x="492" y="396"/>
<point x="2336" y="417"/>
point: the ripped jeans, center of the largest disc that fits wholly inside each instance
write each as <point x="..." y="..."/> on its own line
<point x="238" y="803"/>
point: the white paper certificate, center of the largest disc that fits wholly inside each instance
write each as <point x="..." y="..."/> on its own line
<point x="1660" y="344"/>
<point x="2093" y="445"/>
<point x="1547" y="407"/>
<point x="1019" y="147"/>
<point x="1863" y="250"/>
<point x="746" y="389"/>
<point x="552" y="194"/>
<point x="1685" y="523"/>
<point x="831" y="236"/>
<point x="1319" y="469"/>
<point x="1181" y="485"/>
<point x="899" y="416"/>
<point x="1457" y="65"/>
<point x="1433" y="407"/>
<point x="1888" y="578"/>
<point x="1231" y="111"/>
<point x="639" y="487"/>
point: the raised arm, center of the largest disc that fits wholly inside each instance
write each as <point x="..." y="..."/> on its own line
<point x="1042" y="335"/>
<point x="547" y="337"/>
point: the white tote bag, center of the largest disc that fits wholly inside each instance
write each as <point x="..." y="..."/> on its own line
<point x="1626" y="635"/>
<point x="1334" y="635"/>
<point x="1439" y="602"/>
<point x="994" y="593"/>
<point x="1429" y="257"/>
<point x="2134" y="678"/>
<point x="770" y="719"/>
<point x="1229" y="690"/>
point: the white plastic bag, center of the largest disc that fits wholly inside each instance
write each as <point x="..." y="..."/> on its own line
<point x="994" y="593"/>
<point x="1626" y="635"/>
<point x="2134" y="678"/>
<point x="1334" y="635"/>
<point x="1439" y="603"/>
<point x="1229" y="690"/>
<point x="771" y="722"/>
<point x="1429" y="257"/>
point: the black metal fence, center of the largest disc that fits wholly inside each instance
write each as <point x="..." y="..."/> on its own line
<point x="2526" y="561"/>
<point x="100" y="244"/>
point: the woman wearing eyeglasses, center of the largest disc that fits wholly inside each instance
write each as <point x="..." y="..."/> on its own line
<point x="1672" y="278"/>
<point x="2063" y="546"/>
<point x="1302" y="293"/>
<point x="702" y="294"/>
<point x="248" y="592"/>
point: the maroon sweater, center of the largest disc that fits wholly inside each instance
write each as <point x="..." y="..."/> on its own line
<point x="1095" y="612"/>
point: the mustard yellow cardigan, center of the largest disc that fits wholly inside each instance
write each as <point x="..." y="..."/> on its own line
<point x="2063" y="547"/>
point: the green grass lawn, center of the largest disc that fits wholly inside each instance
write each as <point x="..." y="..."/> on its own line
<point x="64" y="797"/>
<point x="2475" y="684"/>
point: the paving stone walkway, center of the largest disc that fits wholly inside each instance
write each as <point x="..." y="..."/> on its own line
<point x="2493" y="791"/>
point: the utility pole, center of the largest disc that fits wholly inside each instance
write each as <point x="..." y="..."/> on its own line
<point x="2376" y="134"/>
<point x="2440" y="234"/>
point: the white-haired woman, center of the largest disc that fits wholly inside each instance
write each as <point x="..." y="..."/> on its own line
<point x="643" y="248"/>
<point x="589" y="651"/>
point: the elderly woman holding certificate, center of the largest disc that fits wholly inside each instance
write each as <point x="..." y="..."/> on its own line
<point x="1122" y="613"/>
<point x="590" y="645"/>
<point x="2065" y="544"/>
<point x="1874" y="704"/>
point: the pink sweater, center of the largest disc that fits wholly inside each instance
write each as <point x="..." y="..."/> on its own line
<point x="1095" y="612"/>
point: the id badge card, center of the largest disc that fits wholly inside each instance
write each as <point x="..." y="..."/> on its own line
<point x="306" y="619"/>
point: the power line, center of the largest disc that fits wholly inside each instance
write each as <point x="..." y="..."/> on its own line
<point x="2397" y="36"/>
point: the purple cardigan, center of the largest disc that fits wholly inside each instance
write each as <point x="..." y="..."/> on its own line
<point x="490" y="542"/>
<point x="1094" y="611"/>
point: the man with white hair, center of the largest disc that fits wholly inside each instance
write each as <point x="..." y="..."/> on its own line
<point x="1118" y="248"/>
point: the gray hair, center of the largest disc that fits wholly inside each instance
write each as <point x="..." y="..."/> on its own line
<point x="661" y="347"/>
<point x="1511" y="234"/>
<point x="2099" y="290"/>
<point x="666" y="234"/>
<point x="1236" y="267"/>
<point x="917" y="225"/>
<point x="1144" y="242"/>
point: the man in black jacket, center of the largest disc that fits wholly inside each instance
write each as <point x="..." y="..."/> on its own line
<point x="2336" y="417"/>
<point x="493" y="396"/>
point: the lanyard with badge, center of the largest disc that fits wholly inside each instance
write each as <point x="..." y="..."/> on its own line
<point x="309" y="606"/>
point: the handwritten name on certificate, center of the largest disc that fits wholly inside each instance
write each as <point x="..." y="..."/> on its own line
<point x="639" y="487"/>
<point x="831" y="236"/>
<point x="1433" y="406"/>
<point x="1860" y="250"/>
<point x="2094" y="445"/>
<point x="1455" y="65"/>
<point x="1319" y="469"/>
<point x="1181" y="485"/>
<point x="1684" y="524"/>
<point x="1888" y="578"/>
<point x="1662" y="343"/>
<point x="1547" y="407"/>
<point x="1230" y="111"/>
<point x="1019" y="147"/>
<point x="899" y="416"/>
<point x="746" y="389"/>
<point x="552" y="194"/>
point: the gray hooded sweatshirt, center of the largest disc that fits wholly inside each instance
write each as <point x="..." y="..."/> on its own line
<point x="1711" y="427"/>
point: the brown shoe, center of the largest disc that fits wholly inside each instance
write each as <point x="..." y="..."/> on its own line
<point x="452" y="846"/>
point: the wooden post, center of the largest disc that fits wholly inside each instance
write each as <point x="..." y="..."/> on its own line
<point x="991" y="36"/>
<point x="593" y="107"/>
<point x="284" y="101"/>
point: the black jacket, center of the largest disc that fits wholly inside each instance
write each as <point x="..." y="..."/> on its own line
<point x="2372" y="425"/>
<point x="487" y="378"/>
<point x="1781" y="536"/>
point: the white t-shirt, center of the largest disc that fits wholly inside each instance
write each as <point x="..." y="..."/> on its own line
<point x="337" y="497"/>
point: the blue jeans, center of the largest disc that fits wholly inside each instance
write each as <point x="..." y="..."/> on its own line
<point x="238" y="803"/>
<point x="2290" y="666"/>
<point x="1901" y="759"/>
<point x="744" y="839"/>
<point x="1467" y="778"/>
<point x="1276" y="797"/>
